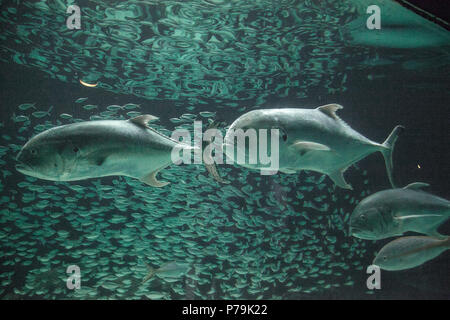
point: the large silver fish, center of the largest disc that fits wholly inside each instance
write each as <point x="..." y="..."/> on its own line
<point x="312" y="139"/>
<point x="393" y="212"/>
<point x="410" y="252"/>
<point x="99" y="148"/>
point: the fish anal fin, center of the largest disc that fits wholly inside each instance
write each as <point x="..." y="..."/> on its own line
<point x="417" y="185"/>
<point x="338" y="178"/>
<point x="212" y="170"/>
<point x="330" y="110"/>
<point x="211" y="167"/>
<point x="151" y="180"/>
<point x="305" y="146"/>
<point x="150" y="274"/>
<point x="142" y="120"/>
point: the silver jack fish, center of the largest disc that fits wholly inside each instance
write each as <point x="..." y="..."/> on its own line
<point x="313" y="139"/>
<point x="393" y="212"/>
<point x="99" y="148"/>
<point x="410" y="252"/>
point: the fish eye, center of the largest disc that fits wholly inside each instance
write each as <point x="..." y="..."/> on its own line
<point x="363" y="217"/>
<point x="33" y="151"/>
<point x="384" y="258"/>
<point x="283" y="133"/>
<point x="75" y="149"/>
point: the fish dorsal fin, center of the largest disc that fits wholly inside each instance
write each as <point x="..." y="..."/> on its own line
<point x="305" y="146"/>
<point x="330" y="110"/>
<point x="151" y="180"/>
<point x="416" y="185"/>
<point x="142" y="120"/>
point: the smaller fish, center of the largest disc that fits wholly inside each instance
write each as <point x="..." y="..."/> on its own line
<point x="410" y="252"/>
<point x="41" y="114"/>
<point x="113" y="107"/>
<point x="80" y="100"/>
<point x="175" y="120"/>
<point x="133" y="114"/>
<point x="131" y="106"/>
<point x="207" y="114"/>
<point x="168" y="271"/>
<point x="90" y="85"/>
<point x="26" y="106"/>
<point x="89" y="107"/>
<point x="65" y="116"/>
<point x="108" y="113"/>
<point x="20" y="118"/>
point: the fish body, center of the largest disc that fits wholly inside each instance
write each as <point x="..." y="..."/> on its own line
<point x="26" y="106"/>
<point x="393" y="212"/>
<point x="92" y="149"/>
<point x="170" y="271"/>
<point x="41" y="114"/>
<point x="312" y="139"/>
<point x="410" y="252"/>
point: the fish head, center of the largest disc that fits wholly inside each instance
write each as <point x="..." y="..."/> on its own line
<point x="372" y="221"/>
<point x="386" y="259"/>
<point x="46" y="158"/>
<point x="248" y="132"/>
<point x="262" y="120"/>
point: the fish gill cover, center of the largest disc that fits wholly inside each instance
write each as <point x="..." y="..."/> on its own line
<point x="255" y="238"/>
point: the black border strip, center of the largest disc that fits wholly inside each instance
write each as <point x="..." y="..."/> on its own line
<point x="425" y="14"/>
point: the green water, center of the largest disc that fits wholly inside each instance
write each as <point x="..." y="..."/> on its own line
<point x="261" y="237"/>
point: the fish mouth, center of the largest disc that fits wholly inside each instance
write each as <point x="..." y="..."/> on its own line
<point x="356" y="232"/>
<point x="23" y="168"/>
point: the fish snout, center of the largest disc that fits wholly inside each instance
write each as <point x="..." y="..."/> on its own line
<point x="21" y="166"/>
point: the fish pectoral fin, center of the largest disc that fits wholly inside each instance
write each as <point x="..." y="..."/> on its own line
<point x="339" y="180"/>
<point x="142" y="120"/>
<point x="151" y="180"/>
<point x="305" y="146"/>
<point x="415" y="216"/>
<point x="330" y="110"/>
<point x="416" y="185"/>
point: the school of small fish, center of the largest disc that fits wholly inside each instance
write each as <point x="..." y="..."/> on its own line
<point x="284" y="236"/>
<point x="274" y="238"/>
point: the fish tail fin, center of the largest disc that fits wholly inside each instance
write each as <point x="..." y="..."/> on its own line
<point x="387" y="151"/>
<point x="447" y="242"/>
<point x="150" y="274"/>
<point x="208" y="160"/>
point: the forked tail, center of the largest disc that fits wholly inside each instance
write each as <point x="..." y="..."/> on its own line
<point x="387" y="151"/>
